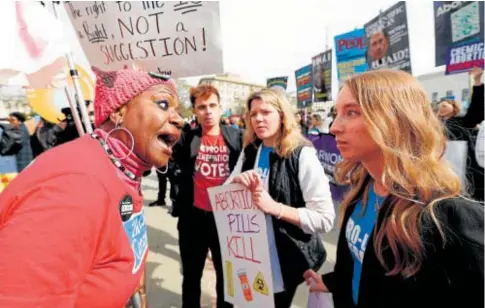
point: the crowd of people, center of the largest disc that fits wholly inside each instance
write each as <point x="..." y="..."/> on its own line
<point x="73" y="231"/>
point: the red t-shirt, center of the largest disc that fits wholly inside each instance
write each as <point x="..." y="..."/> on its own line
<point x="211" y="168"/>
<point x="63" y="240"/>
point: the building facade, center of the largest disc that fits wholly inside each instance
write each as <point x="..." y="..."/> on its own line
<point x="233" y="90"/>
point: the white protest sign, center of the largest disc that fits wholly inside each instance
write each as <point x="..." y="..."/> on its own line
<point x="179" y="38"/>
<point x="479" y="145"/>
<point x="244" y="247"/>
<point x="457" y="153"/>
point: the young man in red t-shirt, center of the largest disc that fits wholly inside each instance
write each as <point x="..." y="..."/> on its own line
<point x="208" y="154"/>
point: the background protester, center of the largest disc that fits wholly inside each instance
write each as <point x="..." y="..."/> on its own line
<point x="69" y="131"/>
<point x="408" y="239"/>
<point x="44" y="137"/>
<point x="81" y="203"/>
<point x="300" y="119"/>
<point x="465" y="129"/>
<point x="317" y="125"/>
<point x="24" y="156"/>
<point x="290" y="186"/>
<point x="207" y="155"/>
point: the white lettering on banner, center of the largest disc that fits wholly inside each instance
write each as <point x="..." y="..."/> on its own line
<point x="445" y="8"/>
<point x="467" y="53"/>
<point x="384" y="21"/>
<point x="390" y="60"/>
<point x="329" y="157"/>
<point x="182" y="38"/>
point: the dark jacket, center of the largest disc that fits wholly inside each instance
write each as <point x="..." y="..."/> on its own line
<point x="464" y="128"/>
<point x="187" y="151"/>
<point x="24" y="156"/>
<point x="451" y="275"/>
<point x="297" y="251"/>
<point x="475" y="113"/>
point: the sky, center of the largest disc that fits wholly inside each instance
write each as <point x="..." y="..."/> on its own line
<point x="269" y="38"/>
<point x="275" y="37"/>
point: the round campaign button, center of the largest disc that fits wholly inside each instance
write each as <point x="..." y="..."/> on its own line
<point x="126" y="207"/>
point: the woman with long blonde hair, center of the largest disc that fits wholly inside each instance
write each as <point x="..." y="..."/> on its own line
<point x="408" y="239"/>
<point x="289" y="185"/>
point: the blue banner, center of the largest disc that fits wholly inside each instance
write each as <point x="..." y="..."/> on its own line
<point x="464" y="58"/>
<point x="303" y="77"/>
<point x="350" y="44"/>
<point x="350" y="50"/>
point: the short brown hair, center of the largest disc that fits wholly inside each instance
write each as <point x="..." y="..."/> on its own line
<point x="203" y="92"/>
<point x="454" y="104"/>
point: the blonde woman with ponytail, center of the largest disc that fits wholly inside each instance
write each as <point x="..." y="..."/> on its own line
<point x="408" y="239"/>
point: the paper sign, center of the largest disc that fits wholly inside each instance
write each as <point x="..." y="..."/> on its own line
<point x="456" y="153"/>
<point x="178" y="38"/>
<point x="244" y="247"/>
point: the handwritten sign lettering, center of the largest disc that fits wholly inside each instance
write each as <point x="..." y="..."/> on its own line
<point x="182" y="38"/>
<point x="244" y="247"/>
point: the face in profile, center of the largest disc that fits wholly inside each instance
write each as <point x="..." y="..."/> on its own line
<point x="14" y="122"/>
<point x="265" y="119"/>
<point x="155" y="124"/>
<point x="350" y="129"/>
<point x="378" y="46"/>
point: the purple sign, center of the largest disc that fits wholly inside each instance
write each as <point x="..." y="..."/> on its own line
<point x="329" y="156"/>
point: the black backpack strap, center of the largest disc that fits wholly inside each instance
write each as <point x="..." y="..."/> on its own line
<point x="250" y="152"/>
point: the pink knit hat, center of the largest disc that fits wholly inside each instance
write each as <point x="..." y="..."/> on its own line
<point x="117" y="88"/>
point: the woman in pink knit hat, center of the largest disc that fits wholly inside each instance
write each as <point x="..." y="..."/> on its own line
<point x="73" y="231"/>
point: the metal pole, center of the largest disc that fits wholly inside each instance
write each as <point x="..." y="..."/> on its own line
<point x="77" y="88"/>
<point x="75" y="115"/>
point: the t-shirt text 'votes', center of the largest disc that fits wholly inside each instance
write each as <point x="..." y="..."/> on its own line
<point x="213" y="161"/>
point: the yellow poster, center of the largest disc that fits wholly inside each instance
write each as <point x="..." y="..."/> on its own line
<point x="43" y="101"/>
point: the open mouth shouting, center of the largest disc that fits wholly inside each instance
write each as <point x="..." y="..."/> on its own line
<point x="167" y="139"/>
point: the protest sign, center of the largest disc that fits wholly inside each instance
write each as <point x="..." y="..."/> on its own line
<point x="350" y="50"/>
<point x="303" y="77"/>
<point x="322" y="76"/>
<point x="277" y="82"/>
<point x="244" y="247"/>
<point x="464" y="58"/>
<point x="387" y="39"/>
<point x="456" y="153"/>
<point x="455" y="23"/>
<point x="329" y="155"/>
<point x="178" y="38"/>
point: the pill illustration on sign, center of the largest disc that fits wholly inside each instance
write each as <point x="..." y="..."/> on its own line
<point x="243" y="279"/>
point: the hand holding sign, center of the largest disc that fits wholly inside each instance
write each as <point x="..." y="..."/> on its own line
<point x="262" y="200"/>
<point x="248" y="179"/>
